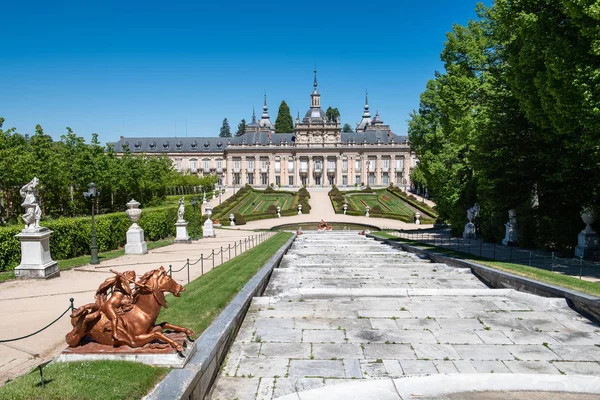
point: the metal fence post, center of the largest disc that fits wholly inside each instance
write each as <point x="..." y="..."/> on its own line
<point x="71" y="300"/>
<point x="170" y="271"/>
<point x="229" y="250"/>
<point x="213" y="257"/>
<point x="202" y="263"/>
<point x="552" y="265"/>
<point x="188" y="269"/>
<point x="235" y="249"/>
<point x="221" y="254"/>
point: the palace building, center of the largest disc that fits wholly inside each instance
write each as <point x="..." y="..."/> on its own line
<point x="316" y="154"/>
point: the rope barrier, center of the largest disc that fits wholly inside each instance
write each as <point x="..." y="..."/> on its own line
<point x="70" y="308"/>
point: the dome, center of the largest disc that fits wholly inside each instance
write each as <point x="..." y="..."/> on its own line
<point x="315" y="113"/>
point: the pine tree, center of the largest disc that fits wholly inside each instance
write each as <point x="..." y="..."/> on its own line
<point x="241" y="128"/>
<point x="225" y="129"/>
<point x="284" y="122"/>
<point x="347" y="128"/>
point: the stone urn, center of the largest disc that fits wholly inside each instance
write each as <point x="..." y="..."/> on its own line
<point x="231" y="219"/>
<point x="345" y="208"/>
<point x="133" y="211"/>
<point x="278" y="212"/>
<point x="418" y="218"/>
<point x="589" y="217"/>
<point x="299" y="209"/>
<point x="367" y="209"/>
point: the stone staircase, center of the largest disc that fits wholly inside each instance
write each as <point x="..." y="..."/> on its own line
<point x="342" y="307"/>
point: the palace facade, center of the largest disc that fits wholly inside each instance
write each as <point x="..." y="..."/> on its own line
<point x="316" y="154"/>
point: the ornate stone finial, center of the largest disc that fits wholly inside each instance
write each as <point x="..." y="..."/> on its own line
<point x="33" y="212"/>
<point x="181" y="210"/>
<point x="315" y="84"/>
<point x="133" y="211"/>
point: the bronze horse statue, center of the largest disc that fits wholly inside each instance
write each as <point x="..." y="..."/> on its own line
<point x="137" y="309"/>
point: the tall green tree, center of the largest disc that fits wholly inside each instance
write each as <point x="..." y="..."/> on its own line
<point x="284" y="122"/>
<point x="347" y="128"/>
<point x="332" y="114"/>
<point x="241" y="129"/>
<point x="225" y="129"/>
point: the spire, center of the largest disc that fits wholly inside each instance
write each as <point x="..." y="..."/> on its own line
<point x="315" y="84"/>
<point x="265" y="121"/>
<point x="366" y="117"/>
<point x="366" y="99"/>
<point x="253" y="115"/>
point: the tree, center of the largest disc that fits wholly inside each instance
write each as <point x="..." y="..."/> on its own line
<point x="284" y="122"/>
<point x="332" y="114"/>
<point x="241" y="128"/>
<point x="225" y="129"/>
<point x="347" y="128"/>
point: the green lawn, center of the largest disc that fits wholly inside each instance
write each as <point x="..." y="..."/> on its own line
<point x="104" y="380"/>
<point x="206" y="296"/>
<point x="538" y="274"/>
<point x="389" y="203"/>
<point x="83" y="260"/>
<point x="257" y="202"/>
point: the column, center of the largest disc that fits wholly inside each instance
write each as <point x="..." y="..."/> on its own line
<point x="392" y="172"/>
<point x="229" y="166"/>
<point x="243" y="171"/>
<point x="364" y="159"/>
<point x="256" y="170"/>
<point x="310" y="171"/>
<point x="296" y="170"/>
<point x="378" y="170"/>
<point x="338" y="170"/>
<point x="272" y="170"/>
<point x="407" y="162"/>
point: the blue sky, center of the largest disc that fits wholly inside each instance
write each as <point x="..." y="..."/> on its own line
<point x="145" y="68"/>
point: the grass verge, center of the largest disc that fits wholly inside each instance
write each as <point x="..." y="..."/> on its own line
<point x="69" y="263"/>
<point x="542" y="275"/>
<point x="205" y="297"/>
<point x="105" y="380"/>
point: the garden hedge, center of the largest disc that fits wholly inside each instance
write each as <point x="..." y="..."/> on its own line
<point x="71" y="236"/>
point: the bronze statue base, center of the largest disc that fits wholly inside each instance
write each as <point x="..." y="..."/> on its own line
<point x="157" y="353"/>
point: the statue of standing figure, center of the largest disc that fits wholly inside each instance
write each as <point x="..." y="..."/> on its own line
<point x="33" y="212"/>
<point x="181" y="210"/>
<point x="469" y="231"/>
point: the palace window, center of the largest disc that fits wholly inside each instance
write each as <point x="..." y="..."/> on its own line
<point x="291" y="180"/>
<point x="219" y="165"/>
<point x="357" y="165"/>
<point x="250" y="165"/>
<point x="344" y="165"/>
<point x="277" y="166"/>
<point x="385" y="179"/>
<point x="263" y="179"/>
<point x="236" y="165"/>
<point x="178" y="165"/>
<point x="290" y="167"/>
<point x="371" y="179"/>
<point x="206" y="166"/>
<point x="194" y="166"/>
<point x="331" y="165"/>
<point x="251" y="179"/>
<point x="400" y="163"/>
<point x="345" y="180"/>
<point x="357" y="177"/>
<point x="277" y="180"/>
<point x="304" y="166"/>
<point x="386" y="164"/>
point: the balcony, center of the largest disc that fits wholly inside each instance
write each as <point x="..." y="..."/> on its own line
<point x="304" y="170"/>
<point x="264" y="169"/>
<point x="318" y="169"/>
<point x="236" y="170"/>
<point x="250" y="170"/>
<point x="331" y="169"/>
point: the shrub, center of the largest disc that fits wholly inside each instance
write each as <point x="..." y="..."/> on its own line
<point x="368" y="190"/>
<point x="239" y="219"/>
<point x="338" y="197"/>
<point x="377" y="209"/>
<point x="272" y="209"/>
<point x="305" y="207"/>
<point x="269" y="189"/>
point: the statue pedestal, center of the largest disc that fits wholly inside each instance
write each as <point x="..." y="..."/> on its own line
<point x="135" y="240"/>
<point x="587" y="244"/>
<point x="208" y="229"/>
<point x="36" y="261"/>
<point x="469" y="232"/>
<point x="181" y="229"/>
<point x="510" y="237"/>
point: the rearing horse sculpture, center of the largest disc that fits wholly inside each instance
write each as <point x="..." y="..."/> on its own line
<point x="137" y="324"/>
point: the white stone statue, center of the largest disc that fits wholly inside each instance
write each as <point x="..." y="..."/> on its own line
<point x="588" y="241"/>
<point x="511" y="235"/>
<point x="469" y="231"/>
<point x="181" y="210"/>
<point x="33" y="212"/>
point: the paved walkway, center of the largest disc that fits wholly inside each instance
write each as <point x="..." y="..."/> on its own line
<point x="28" y="305"/>
<point x="343" y="309"/>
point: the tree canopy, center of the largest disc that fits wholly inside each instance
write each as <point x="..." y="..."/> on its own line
<point x="347" y="128"/>
<point x="225" y="129"/>
<point x="332" y="114"/>
<point x="241" y="129"/>
<point x="284" y="122"/>
<point x="66" y="167"/>
<point x="512" y="122"/>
